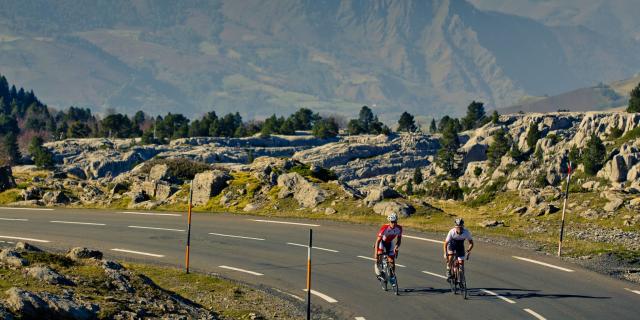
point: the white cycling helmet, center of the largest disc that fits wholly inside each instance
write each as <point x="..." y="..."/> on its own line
<point x="393" y="217"/>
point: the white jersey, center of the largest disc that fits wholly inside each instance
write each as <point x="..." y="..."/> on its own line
<point x="453" y="235"/>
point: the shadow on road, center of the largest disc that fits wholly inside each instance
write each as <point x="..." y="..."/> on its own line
<point x="525" y="293"/>
<point x="423" y="291"/>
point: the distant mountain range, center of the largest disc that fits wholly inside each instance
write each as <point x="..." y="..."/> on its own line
<point x="428" y="57"/>
<point x="614" y="95"/>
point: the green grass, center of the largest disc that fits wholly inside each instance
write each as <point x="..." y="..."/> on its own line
<point x="229" y="299"/>
<point x="9" y="196"/>
<point x="214" y="293"/>
<point x="630" y="135"/>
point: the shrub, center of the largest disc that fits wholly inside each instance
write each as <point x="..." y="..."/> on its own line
<point x="477" y="171"/>
<point x="593" y="155"/>
<point x="445" y="191"/>
<point x="615" y="133"/>
<point x="181" y="169"/>
<point x="322" y="174"/>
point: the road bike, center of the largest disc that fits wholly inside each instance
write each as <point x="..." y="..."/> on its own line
<point x="387" y="275"/>
<point x="458" y="280"/>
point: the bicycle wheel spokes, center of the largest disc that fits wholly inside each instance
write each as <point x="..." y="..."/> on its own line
<point x="395" y="282"/>
<point x="463" y="283"/>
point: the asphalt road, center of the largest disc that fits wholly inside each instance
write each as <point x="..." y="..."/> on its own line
<point x="503" y="285"/>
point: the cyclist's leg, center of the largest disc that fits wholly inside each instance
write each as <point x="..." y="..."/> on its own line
<point x="450" y="260"/>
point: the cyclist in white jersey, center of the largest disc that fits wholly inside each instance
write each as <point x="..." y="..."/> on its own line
<point x="454" y="244"/>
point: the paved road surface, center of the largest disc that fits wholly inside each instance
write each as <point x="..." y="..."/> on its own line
<point x="504" y="283"/>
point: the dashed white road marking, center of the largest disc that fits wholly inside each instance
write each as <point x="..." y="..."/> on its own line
<point x="423" y="239"/>
<point x="535" y="314"/>
<point x="304" y="245"/>
<point x="25" y="239"/>
<point x="80" y="223"/>
<point x="152" y="213"/>
<point x="289" y="294"/>
<point x="634" y="291"/>
<point x="242" y="270"/>
<point x="10" y="242"/>
<point x="13" y="219"/>
<point x="360" y="318"/>
<point x="233" y="236"/>
<point x="139" y="252"/>
<point x="372" y="259"/>
<point x="543" y="264"/>
<point x="498" y="296"/>
<point x="434" y="274"/>
<point x="322" y="296"/>
<point x="285" y="222"/>
<point x="154" y="228"/>
<point x="31" y="209"/>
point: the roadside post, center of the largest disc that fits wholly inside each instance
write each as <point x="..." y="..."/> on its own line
<point x="189" y="228"/>
<point x="564" y="208"/>
<point x="309" y="274"/>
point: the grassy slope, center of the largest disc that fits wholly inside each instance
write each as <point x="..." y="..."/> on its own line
<point x="229" y="299"/>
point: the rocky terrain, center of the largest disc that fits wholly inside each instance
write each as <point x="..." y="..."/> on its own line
<point x="355" y="177"/>
<point x="80" y="285"/>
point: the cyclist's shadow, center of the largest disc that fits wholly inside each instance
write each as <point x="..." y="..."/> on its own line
<point x="420" y="291"/>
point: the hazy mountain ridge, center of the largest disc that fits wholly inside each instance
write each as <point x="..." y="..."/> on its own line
<point x="427" y="57"/>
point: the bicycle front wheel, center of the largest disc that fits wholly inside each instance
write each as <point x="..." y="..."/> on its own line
<point x="397" y="287"/>
<point x="463" y="284"/>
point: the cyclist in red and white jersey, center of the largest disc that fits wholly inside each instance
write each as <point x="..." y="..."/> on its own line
<point x="384" y="242"/>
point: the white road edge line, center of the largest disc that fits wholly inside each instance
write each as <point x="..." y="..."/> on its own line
<point x="423" y="239"/>
<point x="543" y="264"/>
<point x="372" y="259"/>
<point x="33" y="209"/>
<point x="25" y="239"/>
<point x="284" y="222"/>
<point x="81" y="223"/>
<point x="152" y="213"/>
<point x="289" y="294"/>
<point x="535" y="314"/>
<point x="13" y="219"/>
<point x="232" y="236"/>
<point x="322" y="296"/>
<point x="139" y="252"/>
<point x="498" y="296"/>
<point x="304" y="245"/>
<point x="154" y="228"/>
<point x="241" y="270"/>
<point x="634" y="291"/>
<point x="434" y="274"/>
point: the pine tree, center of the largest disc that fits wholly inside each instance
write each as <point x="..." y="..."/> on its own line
<point x="593" y="155"/>
<point x="495" y="117"/>
<point x="475" y="114"/>
<point x="41" y="155"/>
<point x="325" y="128"/>
<point x="533" y="135"/>
<point x="432" y="126"/>
<point x="409" y="187"/>
<point x="634" y="100"/>
<point x="406" y="123"/>
<point x="447" y="155"/>
<point x="417" y="176"/>
<point x="574" y="156"/>
<point x="498" y="148"/>
<point x="10" y="144"/>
